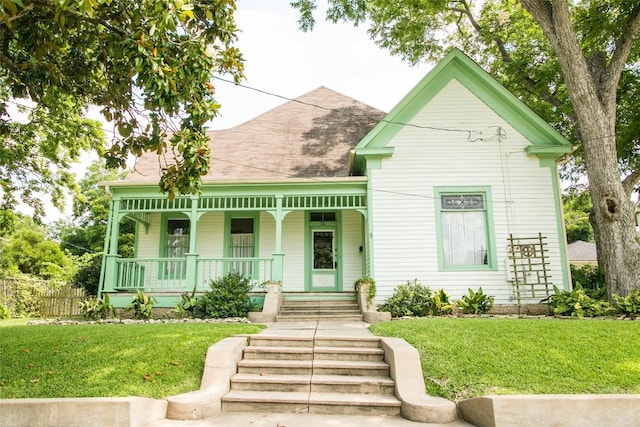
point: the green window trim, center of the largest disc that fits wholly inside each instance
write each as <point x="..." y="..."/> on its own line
<point x="176" y="270"/>
<point x="485" y="191"/>
<point x="227" y="230"/>
<point x="310" y="225"/>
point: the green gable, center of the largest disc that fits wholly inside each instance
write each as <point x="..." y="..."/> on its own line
<point x="546" y="141"/>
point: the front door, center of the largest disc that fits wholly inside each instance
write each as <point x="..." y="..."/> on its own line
<point x="324" y="264"/>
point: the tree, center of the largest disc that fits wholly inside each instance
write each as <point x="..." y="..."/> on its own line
<point x="147" y="64"/>
<point x="567" y="60"/>
<point x="83" y="237"/>
<point x="577" y="209"/>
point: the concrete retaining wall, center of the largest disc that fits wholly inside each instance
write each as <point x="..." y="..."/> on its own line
<point x="81" y="412"/>
<point x="549" y="410"/>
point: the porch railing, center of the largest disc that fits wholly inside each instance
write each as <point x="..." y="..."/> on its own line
<point x="170" y="274"/>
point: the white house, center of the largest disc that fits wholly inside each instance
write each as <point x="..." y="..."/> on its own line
<point x="456" y="187"/>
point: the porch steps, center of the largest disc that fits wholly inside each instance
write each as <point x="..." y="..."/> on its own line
<point x="302" y="307"/>
<point x="334" y="375"/>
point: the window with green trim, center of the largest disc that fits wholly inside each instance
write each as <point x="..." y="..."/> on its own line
<point x="176" y="246"/>
<point x="465" y="232"/>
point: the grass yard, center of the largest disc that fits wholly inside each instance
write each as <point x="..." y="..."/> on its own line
<point x="150" y="360"/>
<point x="467" y="357"/>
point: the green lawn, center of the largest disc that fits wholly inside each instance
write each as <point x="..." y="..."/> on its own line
<point x="466" y="357"/>
<point x="151" y="360"/>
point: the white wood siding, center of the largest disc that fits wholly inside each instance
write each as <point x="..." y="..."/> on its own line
<point x="403" y="205"/>
<point x="293" y="239"/>
<point x="148" y="241"/>
<point x="351" y="244"/>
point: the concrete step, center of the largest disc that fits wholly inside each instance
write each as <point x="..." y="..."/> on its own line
<point x="291" y="367"/>
<point x="265" y="401"/>
<point x="320" y="303"/>
<point x="318" y="317"/>
<point x="316" y="403"/>
<point x="347" y="342"/>
<point x="271" y="352"/>
<point x="353" y="368"/>
<point x="315" y="308"/>
<point x="348" y="353"/>
<point x="353" y="404"/>
<point x="271" y="382"/>
<point x="351" y="384"/>
<point x="280" y="341"/>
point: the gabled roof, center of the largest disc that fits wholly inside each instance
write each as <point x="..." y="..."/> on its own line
<point x="308" y="137"/>
<point x="545" y="140"/>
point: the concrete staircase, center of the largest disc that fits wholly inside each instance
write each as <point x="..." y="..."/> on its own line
<point x="316" y="375"/>
<point x="305" y="307"/>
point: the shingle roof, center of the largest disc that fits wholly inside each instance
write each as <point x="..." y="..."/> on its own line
<point x="309" y="137"/>
<point x="582" y="251"/>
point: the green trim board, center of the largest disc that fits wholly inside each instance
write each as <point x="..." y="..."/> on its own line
<point x="456" y="65"/>
<point x="491" y="257"/>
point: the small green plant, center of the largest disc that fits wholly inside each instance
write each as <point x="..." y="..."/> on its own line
<point x="97" y="308"/>
<point x="409" y="299"/>
<point x="441" y="304"/>
<point x="475" y="302"/>
<point x="228" y="297"/>
<point x="590" y="278"/>
<point x="5" y="313"/>
<point x="141" y="305"/>
<point x="187" y="304"/>
<point x="628" y="306"/>
<point x="372" y="288"/>
<point x="577" y="303"/>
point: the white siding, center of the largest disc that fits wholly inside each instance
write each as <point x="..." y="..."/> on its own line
<point x="293" y="247"/>
<point x="351" y="244"/>
<point x="148" y="241"/>
<point x="402" y="205"/>
<point x="210" y="239"/>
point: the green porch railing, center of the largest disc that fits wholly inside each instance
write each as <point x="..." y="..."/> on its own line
<point x="170" y="274"/>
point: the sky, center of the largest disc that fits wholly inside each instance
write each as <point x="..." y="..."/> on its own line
<point x="281" y="59"/>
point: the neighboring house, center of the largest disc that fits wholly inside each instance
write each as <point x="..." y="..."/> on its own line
<point x="581" y="253"/>
<point x="456" y="187"/>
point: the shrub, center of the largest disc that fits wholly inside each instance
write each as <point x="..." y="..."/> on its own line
<point x="441" y="304"/>
<point x="228" y="297"/>
<point x="141" y="305"/>
<point x="187" y="304"/>
<point x="475" y="302"/>
<point x="577" y="304"/>
<point x="409" y="299"/>
<point x="97" y="308"/>
<point x="629" y="305"/>
<point x="590" y="278"/>
<point x="5" y="313"/>
<point x="22" y="295"/>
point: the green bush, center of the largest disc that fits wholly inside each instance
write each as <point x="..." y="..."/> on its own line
<point x="630" y="305"/>
<point x="409" y="299"/>
<point x="577" y="303"/>
<point x="5" y="313"/>
<point x="441" y="304"/>
<point x="475" y="302"/>
<point x="590" y="278"/>
<point x="97" y="308"/>
<point x="22" y="295"/>
<point x="228" y="297"/>
<point x="187" y="304"/>
<point x="141" y="305"/>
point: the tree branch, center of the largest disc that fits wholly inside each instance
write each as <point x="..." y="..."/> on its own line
<point x="631" y="181"/>
<point x="623" y="49"/>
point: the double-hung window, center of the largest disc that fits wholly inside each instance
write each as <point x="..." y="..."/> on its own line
<point x="465" y="228"/>
<point x="176" y="246"/>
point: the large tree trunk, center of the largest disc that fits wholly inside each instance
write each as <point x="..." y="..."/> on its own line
<point x="592" y="90"/>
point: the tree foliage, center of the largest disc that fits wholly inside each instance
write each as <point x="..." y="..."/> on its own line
<point x="575" y="63"/>
<point x="147" y="64"/>
<point x="577" y="208"/>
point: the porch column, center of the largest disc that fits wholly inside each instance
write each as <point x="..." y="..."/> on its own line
<point x="110" y="256"/>
<point x="192" y="256"/>
<point x="277" y="273"/>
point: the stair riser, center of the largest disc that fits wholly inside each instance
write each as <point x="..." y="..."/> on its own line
<point x="347" y="343"/>
<point x="280" y="318"/>
<point x="349" y="357"/>
<point x="277" y="342"/>
<point x="274" y="370"/>
<point x="350" y="409"/>
<point x="271" y="407"/>
<point x="304" y="310"/>
<point x="260" y="386"/>
<point x="353" y="388"/>
<point x="359" y="372"/>
<point x="264" y="355"/>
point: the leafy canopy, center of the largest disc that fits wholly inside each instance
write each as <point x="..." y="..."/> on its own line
<point x="146" y="63"/>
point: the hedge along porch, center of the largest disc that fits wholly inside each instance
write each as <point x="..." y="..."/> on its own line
<point x="303" y="235"/>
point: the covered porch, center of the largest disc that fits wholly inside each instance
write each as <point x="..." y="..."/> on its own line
<point x="308" y="236"/>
